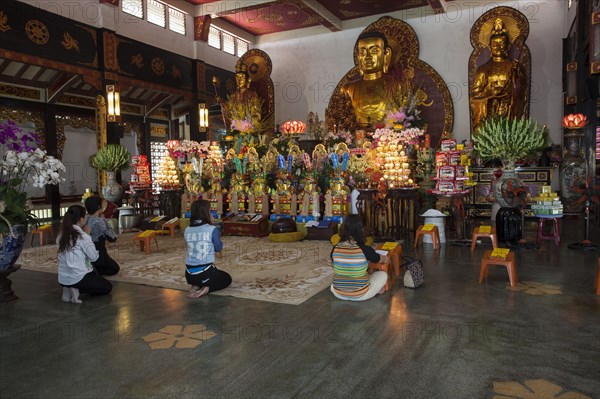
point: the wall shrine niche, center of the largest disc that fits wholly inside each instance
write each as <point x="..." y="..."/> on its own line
<point x="499" y="66"/>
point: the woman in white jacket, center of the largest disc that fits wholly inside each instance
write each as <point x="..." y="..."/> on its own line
<point x="76" y="251"/>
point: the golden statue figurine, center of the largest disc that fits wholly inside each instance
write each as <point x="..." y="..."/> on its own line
<point x="243" y="109"/>
<point x="237" y="193"/>
<point x="499" y="85"/>
<point x="318" y="153"/>
<point x="367" y="94"/>
<point x="295" y="152"/>
<point x="341" y="149"/>
<point x="254" y="166"/>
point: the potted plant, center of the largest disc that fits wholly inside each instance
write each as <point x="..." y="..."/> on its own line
<point x="110" y="159"/>
<point x="510" y="140"/>
<point x="22" y="163"/>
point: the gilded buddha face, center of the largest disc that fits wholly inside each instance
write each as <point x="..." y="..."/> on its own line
<point x="499" y="46"/>
<point x="241" y="80"/>
<point x="373" y="56"/>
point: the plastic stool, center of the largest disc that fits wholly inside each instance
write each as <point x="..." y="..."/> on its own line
<point x="597" y="282"/>
<point x="434" y="233"/>
<point x="508" y="262"/>
<point x="555" y="233"/>
<point x="41" y="232"/>
<point x="395" y="257"/>
<point x="144" y="239"/>
<point x="476" y="234"/>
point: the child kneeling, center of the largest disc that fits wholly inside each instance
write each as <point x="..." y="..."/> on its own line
<point x="203" y="240"/>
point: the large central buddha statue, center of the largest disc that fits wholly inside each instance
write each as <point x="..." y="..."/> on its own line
<point x="368" y="93"/>
<point x="499" y="85"/>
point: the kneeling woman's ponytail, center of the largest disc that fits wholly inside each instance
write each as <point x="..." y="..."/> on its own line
<point x="68" y="235"/>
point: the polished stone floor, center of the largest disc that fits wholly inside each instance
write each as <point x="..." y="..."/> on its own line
<point x="451" y="338"/>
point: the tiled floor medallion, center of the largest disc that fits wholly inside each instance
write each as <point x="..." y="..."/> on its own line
<point x="182" y="337"/>
<point x="533" y="288"/>
<point x="533" y="389"/>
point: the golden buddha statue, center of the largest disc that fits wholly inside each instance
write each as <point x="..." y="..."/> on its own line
<point x="295" y="152"/>
<point x="499" y="84"/>
<point x="243" y="104"/>
<point x="319" y="152"/>
<point x="367" y="94"/>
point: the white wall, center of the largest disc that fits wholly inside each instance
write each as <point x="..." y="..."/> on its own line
<point x="80" y="144"/>
<point x="308" y="63"/>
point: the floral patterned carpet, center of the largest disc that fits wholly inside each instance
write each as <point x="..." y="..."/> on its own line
<point x="287" y="273"/>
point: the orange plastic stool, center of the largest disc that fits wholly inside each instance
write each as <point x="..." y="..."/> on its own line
<point x="508" y="262"/>
<point x="144" y="239"/>
<point x="395" y="257"/>
<point x="42" y="232"/>
<point x="434" y="233"/>
<point x="384" y="267"/>
<point x="597" y="282"/>
<point x="477" y="234"/>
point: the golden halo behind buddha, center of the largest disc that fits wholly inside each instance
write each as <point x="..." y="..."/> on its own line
<point x="402" y="50"/>
<point x="510" y="24"/>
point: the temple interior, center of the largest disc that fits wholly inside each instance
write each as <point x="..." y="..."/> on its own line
<point x="328" y="198"/>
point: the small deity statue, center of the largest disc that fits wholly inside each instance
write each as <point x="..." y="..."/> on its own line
<point x="341" y="149"/>
<point x="295" y="152"/>
<point x="254" y="166"/>
<point x="231" y="155"/>
<point x="499" y="86"/>
<point x="367" y="93"/>
<point x="270" y="159"/>
<point x="319" y="152"/>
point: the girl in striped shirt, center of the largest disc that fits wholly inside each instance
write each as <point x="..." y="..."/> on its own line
<point x="351" y="259"/>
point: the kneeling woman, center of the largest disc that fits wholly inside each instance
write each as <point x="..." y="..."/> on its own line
<point x="75" y="252"/>
<point x="203" y="240"/>
<point x="351" y="259"/>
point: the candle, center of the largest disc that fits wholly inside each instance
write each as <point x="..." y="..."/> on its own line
<point x="427" y="141"/>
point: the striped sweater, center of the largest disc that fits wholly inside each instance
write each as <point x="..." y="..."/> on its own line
<point x="350" y="264"/>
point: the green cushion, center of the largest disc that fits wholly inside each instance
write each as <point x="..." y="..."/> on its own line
<point x="286" y="237"/>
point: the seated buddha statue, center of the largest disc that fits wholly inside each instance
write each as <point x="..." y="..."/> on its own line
<point x="499" y="85"/>
<point x="367" y="94"/>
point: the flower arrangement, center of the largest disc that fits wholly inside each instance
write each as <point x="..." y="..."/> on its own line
<point x="358" y="170"/>
<point x="510" y="140"/>
<point x="242" y="125"/>
<point x="111" y="158"/>
<point x="403" y="100"/>
<point x="341" y="136"/>
<point x="393" y="136"/>
<point x="22" y="164"/>
<point x="193" y="148"/>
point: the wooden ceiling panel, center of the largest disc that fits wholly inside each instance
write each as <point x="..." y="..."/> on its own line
<point x="262" y="17"/>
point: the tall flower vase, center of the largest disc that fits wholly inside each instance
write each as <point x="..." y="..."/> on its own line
<point x="10" y="250"/>
<point x="573" y="171"/>
<point x="112" y="191"/>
